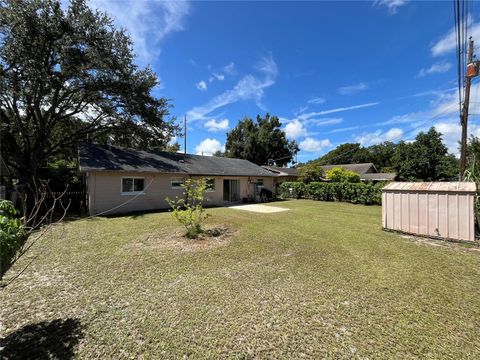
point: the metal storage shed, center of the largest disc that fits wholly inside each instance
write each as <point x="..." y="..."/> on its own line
<point x="437" y="209"/>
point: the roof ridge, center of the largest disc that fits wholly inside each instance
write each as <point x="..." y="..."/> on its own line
<point x="97" y="157"/>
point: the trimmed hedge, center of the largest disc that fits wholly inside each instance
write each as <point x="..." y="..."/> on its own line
<point x="356" y="193"/>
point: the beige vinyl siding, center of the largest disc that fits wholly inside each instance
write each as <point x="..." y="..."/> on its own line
<point x="105" y="191"/>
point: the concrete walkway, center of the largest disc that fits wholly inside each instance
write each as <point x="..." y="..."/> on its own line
<point x="257" y="208"/>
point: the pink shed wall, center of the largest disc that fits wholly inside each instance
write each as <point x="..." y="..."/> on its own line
<point x="105" y="197"/>
<point x="442" y="213"/>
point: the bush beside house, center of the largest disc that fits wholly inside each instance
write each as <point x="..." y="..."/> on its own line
<point x="355" y="193"/>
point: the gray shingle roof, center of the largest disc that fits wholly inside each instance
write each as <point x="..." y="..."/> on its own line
<point x="378" y="176"/>
<point x="358" y="168"/>
<point x="283" y="171"/>
<point x="102" y="158"/>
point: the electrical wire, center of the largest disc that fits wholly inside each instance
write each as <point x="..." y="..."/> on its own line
<point x="456" y="18"/>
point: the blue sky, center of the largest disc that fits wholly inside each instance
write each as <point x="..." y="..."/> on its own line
<point x="334" y="72"/>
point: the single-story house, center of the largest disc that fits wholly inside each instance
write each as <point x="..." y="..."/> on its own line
<point x="121" y="180"/>
<point x="283" y="174"/>
<point x="367" y="171"/>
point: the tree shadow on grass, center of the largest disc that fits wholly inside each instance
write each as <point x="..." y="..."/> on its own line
<point x="54" y="339"/>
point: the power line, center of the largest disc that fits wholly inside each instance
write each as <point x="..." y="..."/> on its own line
<point x="456" y="17"/>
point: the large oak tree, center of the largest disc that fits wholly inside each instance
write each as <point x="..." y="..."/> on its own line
<point x="68" y="75"/>
<point x="261" y="142"/>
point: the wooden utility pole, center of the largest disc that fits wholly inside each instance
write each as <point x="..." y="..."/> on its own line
<point x="472" y="71"/>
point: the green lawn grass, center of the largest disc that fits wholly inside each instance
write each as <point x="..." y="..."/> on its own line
<point x="320" y="280"/>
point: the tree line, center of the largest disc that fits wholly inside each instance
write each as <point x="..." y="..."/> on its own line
<point x="426" y="158"/>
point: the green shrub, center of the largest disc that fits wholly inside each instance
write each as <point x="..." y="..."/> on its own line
<point x="320" y="191"/>
<point x="189" y="210"/>
<point x="292" y="189"/>
<point x="339" y="174"/>
<point x="356" y="193"/>
<point x="12" y="235"/>
<point x="310" y="173"/>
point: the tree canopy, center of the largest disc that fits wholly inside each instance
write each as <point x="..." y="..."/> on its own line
<point x="347" y="153"/>
<point x="260" y="141"/>
<point x="68" y="75"/>
<point x="426" y="158"/>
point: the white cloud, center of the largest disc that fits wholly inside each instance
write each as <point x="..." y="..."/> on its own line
<point x="377" y="137"/>
<point x="249" y="87"/>
<point x="451" y="133"/>
<point x="447" y="103"/>
<point x="332" y="111"/>
<point x="447" y="44"/>
<point x="214" y="125"/>
<point x="295" y="129"/>
<point x="435" y="68"/>
<point x="443" y="113"/>
<point x="148" y="22"/>
<point x="404" y="118"/>
<point x="344" y="129"/>
<point x="229" y="69"/>
<point x="314" y="145"/>
<point x="352" y="89"/>
<point x="325" y="121"/>
<point x="391" y="5"/>
<point x="393" y="134"/>
<point x="433" y="92"/>
<point x="316" y="100"/>
<point x="216" y="76"/>
<point x="208" y="147"/>
<point x="201" y="85"/>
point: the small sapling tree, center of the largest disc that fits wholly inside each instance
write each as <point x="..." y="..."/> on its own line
<point x="189" y="210"/>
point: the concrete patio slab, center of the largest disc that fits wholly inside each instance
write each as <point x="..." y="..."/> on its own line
<point x="257" y="208"/>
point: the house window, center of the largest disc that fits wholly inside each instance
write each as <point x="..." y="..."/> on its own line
<point x="177" y="183"/>
<point x="210" y="182"/>
<point x="259" y="182"/>
<point x="133" y="185"/>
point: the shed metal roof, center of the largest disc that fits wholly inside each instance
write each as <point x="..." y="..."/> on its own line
<point x="452" y="186"/>
<point x="94" y="157"/>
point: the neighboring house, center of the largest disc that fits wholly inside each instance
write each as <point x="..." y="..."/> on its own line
<point x="283" y="174"/>
<point x="121" y="180"/>
<point x="367" y="171"/>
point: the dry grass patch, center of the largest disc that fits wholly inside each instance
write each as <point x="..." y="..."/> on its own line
<point x="175" y="239"/>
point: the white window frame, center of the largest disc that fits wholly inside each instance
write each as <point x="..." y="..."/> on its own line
<point x="132" y="192"/>
<point x="177" y="187"/>
<point x="262" y="184"/>
<point x="213" y="189"/>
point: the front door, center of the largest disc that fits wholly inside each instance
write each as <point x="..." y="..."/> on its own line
<point x="231" y="190"/>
